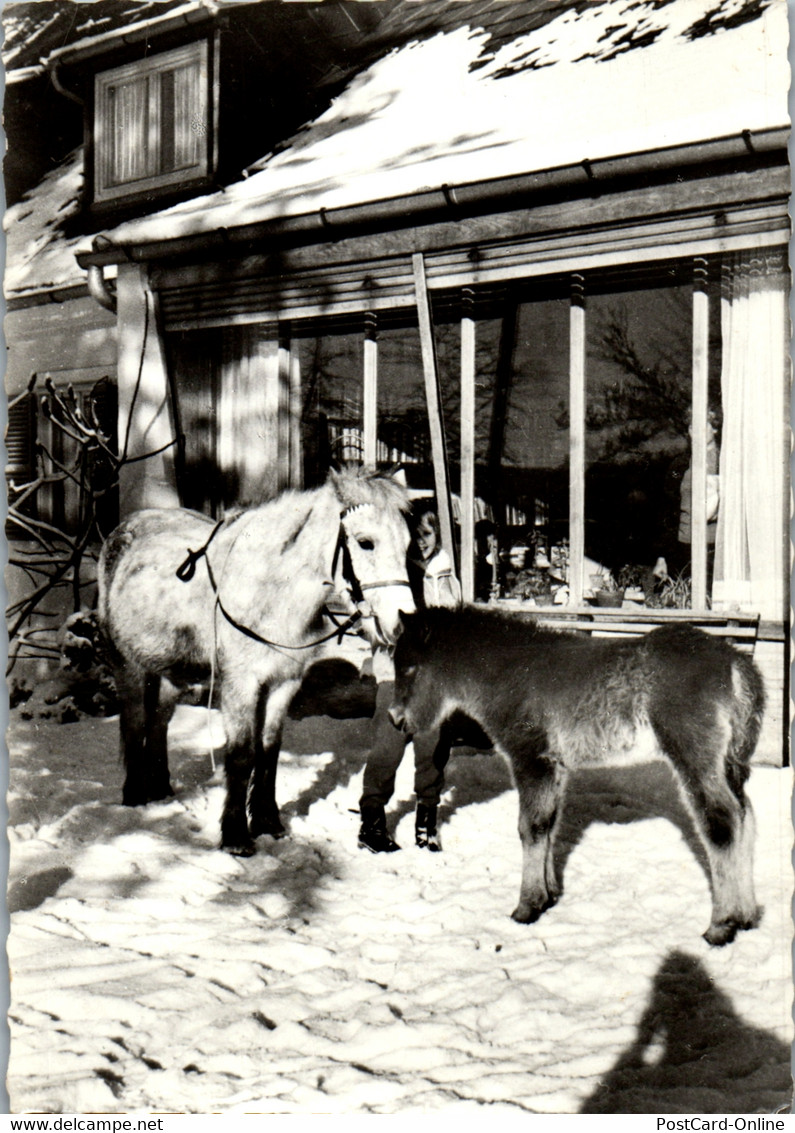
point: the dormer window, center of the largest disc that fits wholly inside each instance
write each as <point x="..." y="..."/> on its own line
<point x="152" y="124"/>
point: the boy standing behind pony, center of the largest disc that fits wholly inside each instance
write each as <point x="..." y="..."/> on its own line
<point x="434" y="584"/>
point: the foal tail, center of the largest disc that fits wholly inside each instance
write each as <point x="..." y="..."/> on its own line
<point x="747" y="707"/>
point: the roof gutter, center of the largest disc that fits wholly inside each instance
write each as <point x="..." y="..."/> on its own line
<point x="100" y="44"/>
<point x="459" y="200"/>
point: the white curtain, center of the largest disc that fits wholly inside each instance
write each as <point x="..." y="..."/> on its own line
<point x="751" y="548"/>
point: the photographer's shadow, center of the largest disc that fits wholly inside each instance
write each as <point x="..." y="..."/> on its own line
<point x="694" y="1054"/>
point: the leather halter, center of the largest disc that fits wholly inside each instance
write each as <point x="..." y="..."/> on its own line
<point x="187" y="569"/>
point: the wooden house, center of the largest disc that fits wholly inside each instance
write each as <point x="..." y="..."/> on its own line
<point x="535" y="254"/>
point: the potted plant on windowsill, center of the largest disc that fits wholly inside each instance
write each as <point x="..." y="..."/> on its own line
<point x="636" y="580"/>
<point x="607" y="593"/>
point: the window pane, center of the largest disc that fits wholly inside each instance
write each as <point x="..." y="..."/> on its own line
<point x="129" y="104"/>
<point x="534" y="476"/>
<point x="638" y="397"/>
<point x="403" y="431"/>
<point x="189" y="116"/>
<point x="331" y="370"/>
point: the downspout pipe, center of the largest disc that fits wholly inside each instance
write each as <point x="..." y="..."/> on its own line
<point x="98" y="288"/>
<point x="56" y="82"/>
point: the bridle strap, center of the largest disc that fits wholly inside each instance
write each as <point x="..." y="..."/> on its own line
<point x="187" y="569"/>
<point x="386" y="582"/>
<point x="339" y="631"/>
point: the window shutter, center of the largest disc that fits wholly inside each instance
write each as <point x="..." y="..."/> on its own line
<point x="20" y="436"/>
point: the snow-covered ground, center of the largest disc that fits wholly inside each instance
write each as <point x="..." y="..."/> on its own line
<point x="150" y="971"/>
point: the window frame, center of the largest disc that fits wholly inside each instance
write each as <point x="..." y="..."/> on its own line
<point x="108" y="192"/>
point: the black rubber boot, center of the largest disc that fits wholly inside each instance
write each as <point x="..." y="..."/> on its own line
<point x="373" y="834"/>
<point x="425" y="829"/>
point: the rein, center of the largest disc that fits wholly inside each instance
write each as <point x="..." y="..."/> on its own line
<point x="187" y="569"/>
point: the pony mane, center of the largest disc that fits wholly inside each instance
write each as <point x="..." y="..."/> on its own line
<point x="355" y="487"/>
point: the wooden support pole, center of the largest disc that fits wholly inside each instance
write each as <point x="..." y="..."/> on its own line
<point x="698" y="435"/>
<point x="468" y="446"/>
<point x="433" y="399"/>
<point x="370" y="390"/>
<point x="577" y="441"/>
<point x="296" y="442"/>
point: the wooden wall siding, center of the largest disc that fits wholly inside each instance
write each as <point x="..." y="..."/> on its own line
<point x="76" y="334"/>
<point x="237" y="293"/>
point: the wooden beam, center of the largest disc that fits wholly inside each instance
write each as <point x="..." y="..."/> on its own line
<point x="370" y="390"/>
<point x="576" y="441"/>
<point x="698" y="437"/>
<point x="433" y="398"/>
<point x="468" y="447"/>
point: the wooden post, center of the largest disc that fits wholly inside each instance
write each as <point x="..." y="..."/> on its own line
<point x="433" y="399"/>
<point x="468" y="446"/>
<point x="576" y="441"/>
<point x="370" y="390"/>
<point x="296" y="443"/>
<point x="698" y="437"/>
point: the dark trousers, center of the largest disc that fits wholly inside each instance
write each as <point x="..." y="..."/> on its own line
<point x="431" y="752"/>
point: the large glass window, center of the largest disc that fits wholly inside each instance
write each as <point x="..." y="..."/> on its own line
<point x="330" y="376"/>
<point x="402" y="415"/>
<point x="584" y="429"/>
<point x="637" y="446"/>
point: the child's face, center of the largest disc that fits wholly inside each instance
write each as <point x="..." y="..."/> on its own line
<point x="426" y="537"/>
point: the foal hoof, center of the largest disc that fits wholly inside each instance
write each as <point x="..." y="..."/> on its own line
<point x="724" y="932"/>
<point x="529" y="914"/>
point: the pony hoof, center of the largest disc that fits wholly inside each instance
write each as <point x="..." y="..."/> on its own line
<point x="272" y="827"/>
<point x="142" y="798"/>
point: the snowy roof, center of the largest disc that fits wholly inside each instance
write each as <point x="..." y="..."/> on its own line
<point x="462" y="105"/>
<point x="40" y="250"/>
<point x="36" y="28"/>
